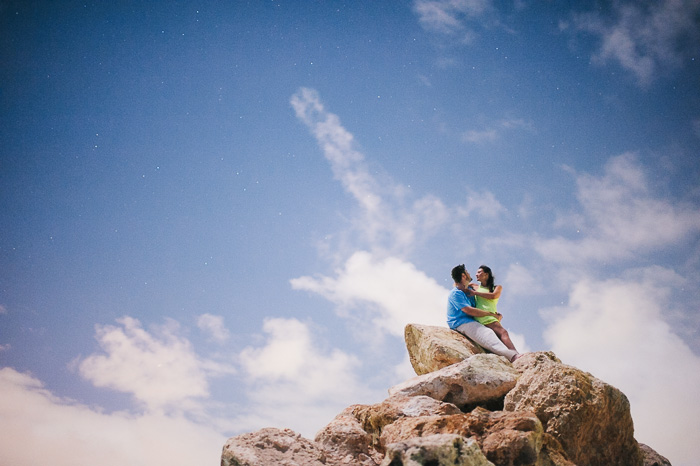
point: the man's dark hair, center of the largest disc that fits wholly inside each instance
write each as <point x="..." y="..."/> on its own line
<point x="457" y="273"/>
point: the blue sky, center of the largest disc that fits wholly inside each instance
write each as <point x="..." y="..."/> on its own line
<point x="219" y="216"/>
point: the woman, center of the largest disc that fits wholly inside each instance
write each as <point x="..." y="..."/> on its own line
<point x="486" y="299"/>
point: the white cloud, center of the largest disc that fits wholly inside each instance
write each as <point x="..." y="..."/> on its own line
<point x="480" y="136"/>
<point x="696" y="127"/>
<point x="293" y="382"/>
<point x="620" y="216"/>
<point x="213" y="326"/>
<point x="448" y="16"/>
<point x="645" y="38"/>
<point x="483" y="203"/>
<point x="392" y="291"/>
<point x="161" y="371"/>
<point x="3" y="309"/>
<point x="494" y="132"/>
<point x="622" y="332"/>
<point x="38" y="426"/>
<point x="519" y="342"/>
<point x="521" y="281"/>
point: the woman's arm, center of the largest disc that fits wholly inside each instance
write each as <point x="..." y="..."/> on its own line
<point x="495" y="295"/>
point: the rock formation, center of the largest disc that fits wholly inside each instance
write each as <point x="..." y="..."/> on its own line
<point x="466" y="407"/>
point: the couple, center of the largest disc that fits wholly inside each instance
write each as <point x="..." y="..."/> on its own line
<point x="477" y="318"/>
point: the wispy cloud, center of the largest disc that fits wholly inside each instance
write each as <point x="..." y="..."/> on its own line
<point x="449" y="16"/>
<point x="389" y="221"/>
<point x="483" y="203"/>
<point x="495" y="131"/>
<point x="645" y="37"/>
<point x="480" y="136"/>
<point x="696" y="127"/>
<point x="619" y="216"/>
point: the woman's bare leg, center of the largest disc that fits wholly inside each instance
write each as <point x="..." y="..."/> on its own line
<point x="502" y="334"/>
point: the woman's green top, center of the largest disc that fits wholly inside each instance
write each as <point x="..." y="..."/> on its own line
<point x="486" y="305"/>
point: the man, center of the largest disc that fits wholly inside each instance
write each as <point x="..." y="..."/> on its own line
<point x="461" y="313"/>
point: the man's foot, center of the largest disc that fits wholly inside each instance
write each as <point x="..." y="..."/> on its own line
<point x="515" y="357"/>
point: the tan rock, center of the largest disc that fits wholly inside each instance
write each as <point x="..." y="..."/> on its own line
<point x="590" y="418"/>
<point x="506" y="439"/>
<point x="483" y="378"/>
<point x="272" y="446"/>
<point x="552" y="453"/>
<point x="441" y="449"/>
<point x="346" y="441"/>
<point x="355" y="432"/>
<point x="431" y="348"/>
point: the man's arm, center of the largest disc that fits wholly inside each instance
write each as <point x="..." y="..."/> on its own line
<point x="474" y="312"/>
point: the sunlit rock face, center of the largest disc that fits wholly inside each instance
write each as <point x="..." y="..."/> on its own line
<point x="467" y="407"/>
<point x="482" y="378"/>
<point x="590" y="418"/>
<point x="272" y="446"/>
<point x="431" y="348"/>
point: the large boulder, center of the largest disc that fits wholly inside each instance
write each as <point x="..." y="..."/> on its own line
<point x="481" y="379"/>
<point x="506" y="439"/>
<point x="431" y="348"/>
<point x="354" y="435"/>
<point x="272" y="446"/>
<point x="347" y="441"/>
<point x="590" y="418"/>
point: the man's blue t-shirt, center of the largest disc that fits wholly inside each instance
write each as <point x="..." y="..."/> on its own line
<point x="455" y="302"/>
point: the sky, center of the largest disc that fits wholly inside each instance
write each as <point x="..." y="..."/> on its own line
<point x="218" y="216"/>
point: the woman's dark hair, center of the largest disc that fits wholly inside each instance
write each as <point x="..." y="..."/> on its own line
<point x="457" y="273"/>
<point x="490" y="282"/>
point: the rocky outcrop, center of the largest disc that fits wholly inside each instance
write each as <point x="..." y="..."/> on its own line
<point x="481" y="410"/>
<point x="590" y="418"/>
<point x="432" y="348"/>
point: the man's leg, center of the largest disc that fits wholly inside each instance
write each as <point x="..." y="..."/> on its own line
<point x="486" y="338"/>
<point x="502" y="334"/>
